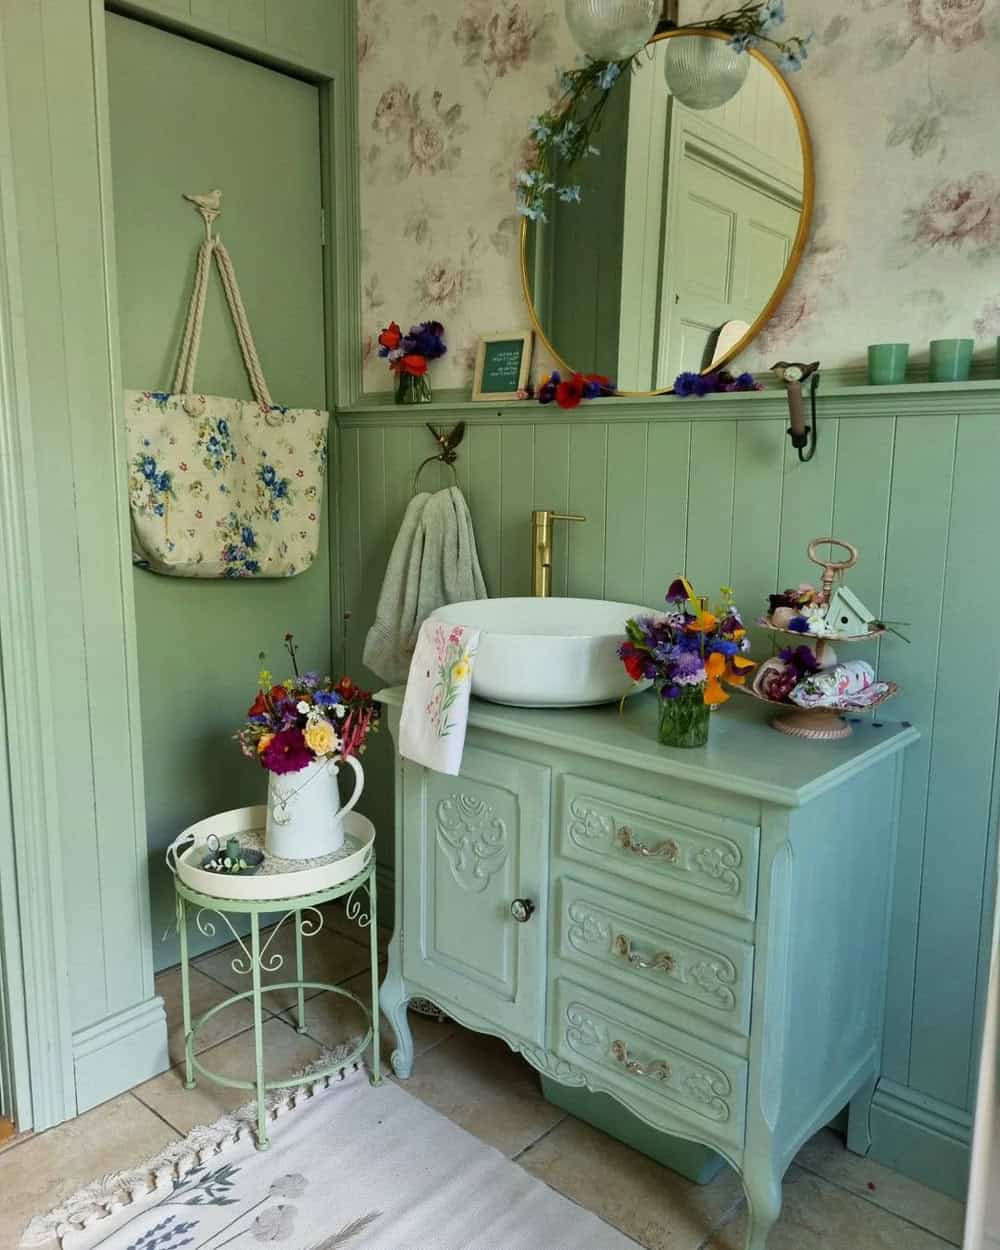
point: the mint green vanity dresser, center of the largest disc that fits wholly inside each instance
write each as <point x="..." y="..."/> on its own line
<point x="701" y="935"/>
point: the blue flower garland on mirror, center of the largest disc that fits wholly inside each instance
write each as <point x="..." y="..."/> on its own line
<point x="563" y="135"/>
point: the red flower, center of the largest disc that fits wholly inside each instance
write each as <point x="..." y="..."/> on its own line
<point x="259" y="706"/>
<point x="633" y="666"/>
<point x="417" y="365"/>
<point x="570" y="392"/>
<point x="391" y="337"/>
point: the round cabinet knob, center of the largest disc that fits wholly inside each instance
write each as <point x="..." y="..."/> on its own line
<point x="522" y="909"/>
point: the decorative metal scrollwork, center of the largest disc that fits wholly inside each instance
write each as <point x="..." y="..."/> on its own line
<point x="242" y="965"/>
<point x="667" y="849"/>
<point x="356" y="909"/>
<point x="658" y="1070"/>
<point x="662" y="961"/>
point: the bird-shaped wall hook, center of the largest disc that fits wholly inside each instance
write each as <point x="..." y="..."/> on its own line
<point x="209" y="205"/>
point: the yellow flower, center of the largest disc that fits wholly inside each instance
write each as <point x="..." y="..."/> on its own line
<point x="320" y="737"/>
<point x="263" y="742"/>
<point x="461" y="669"/>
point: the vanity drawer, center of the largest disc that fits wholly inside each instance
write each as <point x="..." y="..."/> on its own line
<point x="662" y="957"/>
<point x="697" y="855"/>
<point x="670" y="1077"/>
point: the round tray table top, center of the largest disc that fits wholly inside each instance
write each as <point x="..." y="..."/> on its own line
<point x="276" y="879"/>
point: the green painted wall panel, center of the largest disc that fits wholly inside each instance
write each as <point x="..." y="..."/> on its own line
<point x="199" y="640"/>
<point x="919" y="514"/>
<point x="585" y="565"/>
<point x="626" y="514"/>
<point x="708" y="563"/>
<point x="665" y="496"/>
<point x="958" y="807"/>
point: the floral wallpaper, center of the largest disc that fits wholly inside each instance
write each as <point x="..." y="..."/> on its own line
<point x="906" y="234"/>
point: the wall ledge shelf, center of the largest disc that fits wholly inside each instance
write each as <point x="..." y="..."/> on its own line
<point x="838" y="394"/>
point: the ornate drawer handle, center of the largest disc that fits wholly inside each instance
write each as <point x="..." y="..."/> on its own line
<point x="668" y="849"/>
<point x="662" y="960"/>
<point x="658" y="1070"/>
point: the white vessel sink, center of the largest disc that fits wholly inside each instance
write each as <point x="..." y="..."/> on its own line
<point x="546" y="652"/>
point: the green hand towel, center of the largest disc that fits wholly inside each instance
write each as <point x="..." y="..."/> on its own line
<point x="433" y="563"/>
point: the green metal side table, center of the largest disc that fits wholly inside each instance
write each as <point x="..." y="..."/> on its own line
<point x="278" y="892"/>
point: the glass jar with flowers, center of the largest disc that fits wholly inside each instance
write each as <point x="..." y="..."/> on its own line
<point x="688" y="652"/>
<point x="409" y="355"/>
<point x="301" y="730"/>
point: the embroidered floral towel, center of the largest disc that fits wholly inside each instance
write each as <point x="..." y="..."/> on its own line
<point x="436" y="705"/>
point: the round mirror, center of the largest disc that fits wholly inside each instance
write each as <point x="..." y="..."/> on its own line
<point x="690" y="223"/>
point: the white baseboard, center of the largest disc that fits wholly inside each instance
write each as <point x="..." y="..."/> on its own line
<point x="121" y="1051"/>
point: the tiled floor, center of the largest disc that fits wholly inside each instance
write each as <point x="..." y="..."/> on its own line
<point x="833" y="1199"/>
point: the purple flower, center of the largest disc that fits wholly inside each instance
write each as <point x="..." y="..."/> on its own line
<point x="802" y="659"/>
<point x="677" y="592"/>
<point x="310" y="680"/>
<point x="547" y="391"/>
<point x="287" y="752"/>
<point x="327" y="698"/>
<point x="799" y="625"/>
<point x="670" y="692"/>
<point x="687" y="384"/>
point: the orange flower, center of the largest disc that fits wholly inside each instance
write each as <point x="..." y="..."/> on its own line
<point x="703" y="623"/>
<point x="736" y="670"/>
<point x="715" y="667"/>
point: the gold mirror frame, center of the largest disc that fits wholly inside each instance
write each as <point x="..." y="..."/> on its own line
<point x="798" y="247"/>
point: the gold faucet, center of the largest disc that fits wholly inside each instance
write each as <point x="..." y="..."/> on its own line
<point x="541" y="549"/>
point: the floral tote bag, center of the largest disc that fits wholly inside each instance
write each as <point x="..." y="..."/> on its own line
<point x="223" y="487"/>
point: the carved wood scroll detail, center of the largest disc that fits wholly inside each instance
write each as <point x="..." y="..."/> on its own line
<point x="473" y="838"/>
<point x="711" y="860"/>
<point x="700" y="1086"/>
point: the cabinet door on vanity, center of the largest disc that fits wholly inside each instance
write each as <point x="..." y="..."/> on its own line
<point x="473" y="845"/>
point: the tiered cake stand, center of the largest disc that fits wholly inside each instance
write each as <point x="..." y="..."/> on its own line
<point x="824" y="723"/>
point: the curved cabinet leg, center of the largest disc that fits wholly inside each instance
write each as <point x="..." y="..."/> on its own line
<point x="392" y="1000"/>
<point x="859" y="1135"/>
<point x="762" y="1185"/>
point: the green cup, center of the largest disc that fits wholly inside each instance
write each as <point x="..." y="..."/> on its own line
<point x="887" y="363"/>
<point x="950" y="360"/>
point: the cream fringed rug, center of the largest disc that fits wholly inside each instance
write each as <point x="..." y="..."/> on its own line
<point x="349" y="1166"/>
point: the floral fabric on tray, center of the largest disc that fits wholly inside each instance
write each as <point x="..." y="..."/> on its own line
<point x="223" y="487"/>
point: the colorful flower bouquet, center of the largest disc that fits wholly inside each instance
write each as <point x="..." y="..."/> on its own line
<point x="306" y="718"/>
<point x="687" y="652"/>
<point x="409" y="355"/>
<point x="568" y="392"/>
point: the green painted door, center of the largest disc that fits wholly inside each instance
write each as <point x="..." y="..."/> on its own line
<point x="188" y="118"/>
<point x="474" y="844"/>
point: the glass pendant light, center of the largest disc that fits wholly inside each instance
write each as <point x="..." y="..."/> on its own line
<point x="611" y="30"/>
<point x="702" y="72"/>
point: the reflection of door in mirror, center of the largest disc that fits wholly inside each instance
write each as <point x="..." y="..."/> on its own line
<point x="733" y="204"/>
<point x="687" y="221"/>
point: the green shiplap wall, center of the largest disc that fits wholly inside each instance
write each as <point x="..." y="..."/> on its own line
<point x="198" y="640"/>
<point x="711" y="489"/>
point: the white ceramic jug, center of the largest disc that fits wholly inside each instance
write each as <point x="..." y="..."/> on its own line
<point x="304" y="812"/>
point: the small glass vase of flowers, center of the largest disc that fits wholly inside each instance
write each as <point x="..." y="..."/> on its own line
<point x="409" y="355"/>
<point x="300" y="731"/>
<point x="688" y="652"/>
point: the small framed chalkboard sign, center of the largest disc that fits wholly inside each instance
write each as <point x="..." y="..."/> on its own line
<point x="503" y="363"/>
